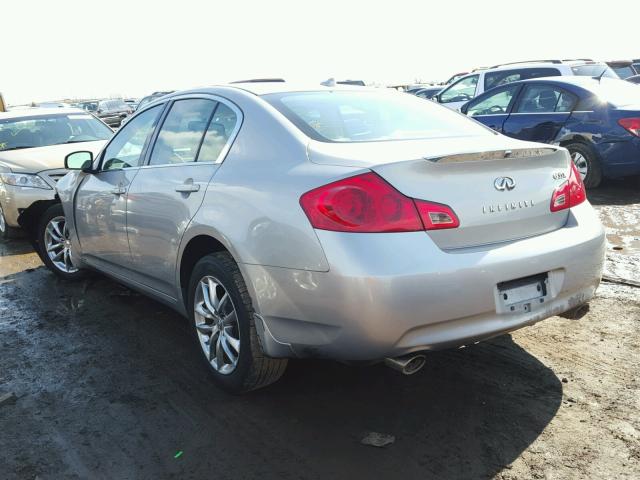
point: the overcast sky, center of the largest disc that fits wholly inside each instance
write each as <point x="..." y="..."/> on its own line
<point x="69" y="49"/>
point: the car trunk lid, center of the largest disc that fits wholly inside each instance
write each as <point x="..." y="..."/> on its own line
<point x="500" y="189"/>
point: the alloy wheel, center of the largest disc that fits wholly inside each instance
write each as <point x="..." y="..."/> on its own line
<point x="216" y="323"/>
<point x="58" y="245"/>
<point x="581" y="164"/>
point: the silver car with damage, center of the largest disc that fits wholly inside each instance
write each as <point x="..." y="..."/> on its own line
<point x="359" y="225"/>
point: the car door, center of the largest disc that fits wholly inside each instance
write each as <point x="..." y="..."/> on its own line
<point x="167" y="192"/>
<point x="459" y="93"/>
<point x="540" y="113"/>
<point x="101" y="198"/>
<point x="492" y="108"/>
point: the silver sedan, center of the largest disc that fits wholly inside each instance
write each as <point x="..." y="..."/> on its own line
<point x="354" y="224"/>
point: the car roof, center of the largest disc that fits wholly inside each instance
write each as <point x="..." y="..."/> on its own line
<point x="35" y="111"/>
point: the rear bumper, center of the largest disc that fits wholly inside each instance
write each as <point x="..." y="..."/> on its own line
<point x="391" y="294"/>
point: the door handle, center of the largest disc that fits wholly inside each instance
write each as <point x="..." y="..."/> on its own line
<point x="119" y="190"/>
<point x="188" y="188"/>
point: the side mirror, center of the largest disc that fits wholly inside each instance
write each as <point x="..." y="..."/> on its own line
<point x="79" y="161"/>
<point x="464" y="108"/>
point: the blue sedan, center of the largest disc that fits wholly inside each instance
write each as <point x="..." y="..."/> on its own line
<point x="597" y="120"/>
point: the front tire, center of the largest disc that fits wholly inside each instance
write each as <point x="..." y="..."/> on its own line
<point x="54" y="244"/>
<point x="221" y="315"/>
<point x="587" y="164"/>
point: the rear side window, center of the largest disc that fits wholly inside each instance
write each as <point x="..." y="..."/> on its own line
<point x="545" y="99"/>
<point x="365" y="116"/>
<point x="222" y="125"/>
<point x="182" y="131"/>
<point x="502" y="77"/>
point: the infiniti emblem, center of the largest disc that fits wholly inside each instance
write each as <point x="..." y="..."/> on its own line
<point x="504" y="183"/>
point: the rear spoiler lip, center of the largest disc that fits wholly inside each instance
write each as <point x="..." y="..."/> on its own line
<point x="493" y="155"/>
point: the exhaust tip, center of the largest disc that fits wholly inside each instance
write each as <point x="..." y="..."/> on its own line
<point x="407" y="365"/>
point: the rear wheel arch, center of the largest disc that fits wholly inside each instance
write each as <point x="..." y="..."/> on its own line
<point x="197" y="247"/>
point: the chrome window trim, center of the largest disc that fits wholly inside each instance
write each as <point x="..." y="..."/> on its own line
<point x="541" y="113"/>
<point x="491" y="115"/>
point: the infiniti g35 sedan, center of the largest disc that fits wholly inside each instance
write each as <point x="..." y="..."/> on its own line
<point x="359" y="225"/>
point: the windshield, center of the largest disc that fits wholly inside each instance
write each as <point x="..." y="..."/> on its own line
<point x="594" y="70"/>
<point x="618" y="93"/>
<point x="45" y="130"/>
<point x="371" y="116"/>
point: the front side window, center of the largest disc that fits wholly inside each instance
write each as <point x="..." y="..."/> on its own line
<point x="222" y="125"/>
<point x="182" y="131"/>
<point x="44" y="130"/>
<point x="365" y="116"/>
<point x="462" y="91"/>
<point x="495" y="104"/>
<point x="126" y="148"/>
<point x="545" y="99"/>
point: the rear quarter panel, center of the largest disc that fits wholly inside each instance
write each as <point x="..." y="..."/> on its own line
<point x="252" y="203"/>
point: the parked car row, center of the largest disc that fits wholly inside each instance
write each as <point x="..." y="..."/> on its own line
<point x="477" y="82"/>
<point x="340" y="222"/>
<point x="110" y="111"/>
<point x="597" y="120"/>
<point x="578" y="104"/>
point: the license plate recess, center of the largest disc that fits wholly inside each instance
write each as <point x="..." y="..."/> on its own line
<point x="522" y="294"/>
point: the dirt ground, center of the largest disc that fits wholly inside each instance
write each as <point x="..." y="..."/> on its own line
<point x="109" y="386"/>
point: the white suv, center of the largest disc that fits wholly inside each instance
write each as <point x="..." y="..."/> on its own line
<point x="479" y="81"/>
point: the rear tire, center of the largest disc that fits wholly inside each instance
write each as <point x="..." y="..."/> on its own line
<point x="223" y="327"/>
<point x="587" y="163"/>
<point x="53" y="243"/>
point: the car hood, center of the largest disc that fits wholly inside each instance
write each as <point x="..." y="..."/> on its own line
<point x="34" y="160"/>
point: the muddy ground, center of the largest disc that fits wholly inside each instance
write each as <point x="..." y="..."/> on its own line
<point x="109" y="386"/>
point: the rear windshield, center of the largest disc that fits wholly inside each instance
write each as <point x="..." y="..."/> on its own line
<point x="624" y="71"/>
<point x="335" y="116"/>
<point x="619" y="93"/>
<point x="594" y="70"/>
<point x="45" y="130"/>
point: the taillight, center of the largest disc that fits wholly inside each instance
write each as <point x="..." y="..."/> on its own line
<point x="631" y="124"/>
<point x="368" y="204"/>
<point x="570" y="193"/>
<point x="436" y="216"/>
